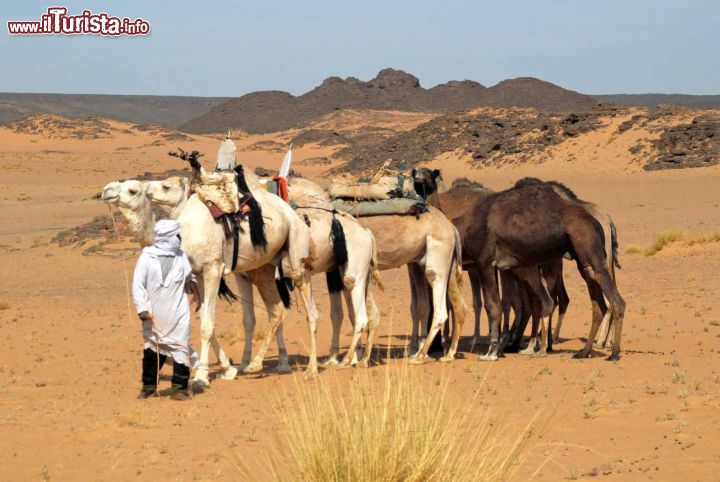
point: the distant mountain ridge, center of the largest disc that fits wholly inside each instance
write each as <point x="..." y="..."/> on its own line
<point x="171" y="111"/>
<point x="269" y="111"/>
<point x="652" y="100"/>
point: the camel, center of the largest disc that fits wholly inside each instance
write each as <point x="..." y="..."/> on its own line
<point x="430" y="246"/>
<point x="528" y="225"/>
<point x="353" y="269"/>
<point x="130" y="198"/>
<point x="210" y="254"/>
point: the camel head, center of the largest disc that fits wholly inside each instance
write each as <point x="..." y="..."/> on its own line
<point x="169" y="195"/>
<point x="129" y="195"/>
<point x="425" y="181"/>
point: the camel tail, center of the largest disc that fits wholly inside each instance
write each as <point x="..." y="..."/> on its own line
<point x="457" y="257"/>
<point x="613" y="234"/>
<point x="337" y="234"/>
<point x="334" y="281"/>
<point x="283" y="287"/>
<point x="225" y="293"/>
<point x="255" y="217"/>
<point x="374" y="271"/>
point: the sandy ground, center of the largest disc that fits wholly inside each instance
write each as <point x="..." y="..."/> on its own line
<point x="71" y="352"/>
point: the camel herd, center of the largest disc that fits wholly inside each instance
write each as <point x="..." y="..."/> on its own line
<point x="511" y="243"/>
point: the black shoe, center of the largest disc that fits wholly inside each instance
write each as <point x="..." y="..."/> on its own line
<point x="148" y="391"/>
<point x="179" y="393"/>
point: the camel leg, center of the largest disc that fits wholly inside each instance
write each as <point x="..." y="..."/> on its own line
<point x="475" y="286"/>
<point x="491" y="296"/>
<point x="312" y="318"/>
<point x="617" y="306"/>
<point x="598" y="306"/>
<point x="563" y="302"/>
<point x="264" y="279"/>
<point x="437" y="276"/>
<point x="373" y="322"/>
<point x="523" y="304"/>
<point x="351" y="315"/>
<point x="534" y="312"/>
<point x="356" y="285"/>
<point x="419" y="306"/>
<point x="532" y="277"/>
<point x="211" y="281"/>
<point x="336" y="317"/>
<point x="246" y="297"/>
<point x="459" y="314"/>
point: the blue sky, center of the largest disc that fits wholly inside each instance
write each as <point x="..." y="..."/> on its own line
<point x="229" y="48"/>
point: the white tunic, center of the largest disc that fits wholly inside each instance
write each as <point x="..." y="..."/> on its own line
<point x="169" y="331"/>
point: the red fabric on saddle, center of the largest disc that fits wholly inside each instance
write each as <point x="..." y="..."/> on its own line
<point x="215" y="211"/>
<point x="282" y="188"/>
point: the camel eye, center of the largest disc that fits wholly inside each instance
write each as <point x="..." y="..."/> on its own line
<point x="166" y="188"/>
<point x="132" y="191"/>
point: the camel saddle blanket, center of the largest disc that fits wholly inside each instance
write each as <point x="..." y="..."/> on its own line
<point x="387" y="187"/>
<point x="218" y="189"/>
<point x="399" y="206"/>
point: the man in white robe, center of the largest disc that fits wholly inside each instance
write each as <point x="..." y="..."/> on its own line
<point x="162" y="279"/>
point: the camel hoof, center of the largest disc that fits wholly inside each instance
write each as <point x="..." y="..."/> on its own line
<point x="416" y="360"/>
<point x="330" y="362"/>
<point x="253" y="367"/>
<point x="613" y="357"/>
<point x="580" y="355"/>
<point x="488" y="357"/>
<point x="283" y="368"/>
<point x="242" y="366"/>
<point x="538" y="354"/>
<point x="363" y="364"/>
<point x="447" y="358"/>
<point x="311" y="374"/>
<point x="530" y="350"/>
<point x="230" y="373"/>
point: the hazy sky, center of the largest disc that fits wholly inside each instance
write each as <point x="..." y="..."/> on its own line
<point x="229" y="48"/>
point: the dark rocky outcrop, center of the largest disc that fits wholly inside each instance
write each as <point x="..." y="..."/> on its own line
<point x="688" y="145"/>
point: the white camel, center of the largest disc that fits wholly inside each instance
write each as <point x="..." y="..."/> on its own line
<point x="313" y="204"/>
<point x="210" y="255"/>
<point x="129" y="197"/>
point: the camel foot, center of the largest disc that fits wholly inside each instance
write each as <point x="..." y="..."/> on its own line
<point x="538" y="354"/>
<point x="530" y="350"/>
<point x="230" y="373"/>
<point x="613" y="357"/>
<point x="417" y="360"/>
<point x="254" y="367"/>
<point x="447" y="358"/>
<point x="581" y="354"/>
<point x="330" y="362"/>
<point x="311" y="373"/>
<point x="199" y="385"/>
<point x="488" y="357"/>
<point x="364" y="363"/>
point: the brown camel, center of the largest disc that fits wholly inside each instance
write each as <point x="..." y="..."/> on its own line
<point x="457" y="202"/>
<point x="550" y="225"/>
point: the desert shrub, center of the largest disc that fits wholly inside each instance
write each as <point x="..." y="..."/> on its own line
<point x="663" y="239"/>
<point x="632" y="249"/>
<point x="398" y="426"/>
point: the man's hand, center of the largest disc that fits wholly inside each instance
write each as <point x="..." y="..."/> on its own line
<point x="145" y="316"/>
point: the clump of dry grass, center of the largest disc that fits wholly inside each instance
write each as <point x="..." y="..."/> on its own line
<point x="4" y="305"/>
<point x="138" y="419"/>
<point x="664" y="238"/>
<point x="398" y="426"/>
<point x="632" y="249"/>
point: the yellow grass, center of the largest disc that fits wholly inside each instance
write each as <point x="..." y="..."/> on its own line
<point x="390" y="424"/>
<point x="4" y="305"/>
<point x="675" y="235"/>
<point x="632" y="249"/>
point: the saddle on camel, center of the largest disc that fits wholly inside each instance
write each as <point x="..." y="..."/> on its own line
<point x="386" y="193"/>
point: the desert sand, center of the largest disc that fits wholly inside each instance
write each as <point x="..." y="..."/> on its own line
<point x="72" y="348"/>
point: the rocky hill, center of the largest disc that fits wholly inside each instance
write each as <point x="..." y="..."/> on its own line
<point x="652" y="100"/>
<point x="262" y="112"/>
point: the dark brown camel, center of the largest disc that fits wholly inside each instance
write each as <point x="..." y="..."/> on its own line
<point x="525" y="226"/>
<point x="456" y="202"/>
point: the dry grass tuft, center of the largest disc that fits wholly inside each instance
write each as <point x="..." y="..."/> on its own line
<point x="138" y="419"/>
<point x="675" y="235"/>
<point x="663" y="239"/>
<point x="390" y="424"/>
<point x="4" y="305"/>
<point x="632" y="249"/>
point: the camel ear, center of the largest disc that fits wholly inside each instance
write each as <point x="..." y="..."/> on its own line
<point x="413" y="173"/>
<point x="436" y="174"/>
